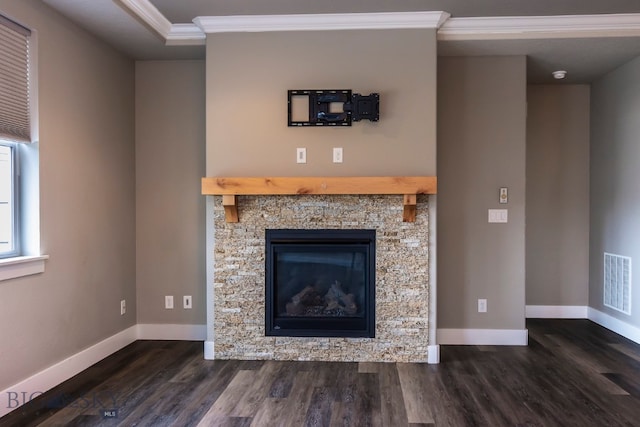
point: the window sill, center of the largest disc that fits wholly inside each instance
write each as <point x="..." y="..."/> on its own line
<point x="20" y="266"/>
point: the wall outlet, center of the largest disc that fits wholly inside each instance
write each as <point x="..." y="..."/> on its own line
<point x="123" y="307"/>
<point x="168" y="301"/>
<point x="186" y="301"/>
<point x="482" y="306"/>
<point x="337" y="154"/>
<point x="301" y="155"/>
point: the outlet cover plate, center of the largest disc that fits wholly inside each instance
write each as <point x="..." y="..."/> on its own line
<point x="168" y="302"/>
<point x="337" y="154"/>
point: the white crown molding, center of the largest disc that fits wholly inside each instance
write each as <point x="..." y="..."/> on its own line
<point x="185" y="35"/>
<point x="173" y="34"/>
<point x="320" y="22"/>
<point x="540" y="27"/>
<point x="472" y="28"/>
<point x="146" y="11"/>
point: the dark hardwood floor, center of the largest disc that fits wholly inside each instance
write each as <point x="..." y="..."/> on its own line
<point x="573" y="373"/>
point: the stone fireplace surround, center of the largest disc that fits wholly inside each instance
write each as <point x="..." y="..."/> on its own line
<point x="236" y="313"/>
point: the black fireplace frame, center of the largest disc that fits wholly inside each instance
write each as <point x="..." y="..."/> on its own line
<point x="320" y="326"/>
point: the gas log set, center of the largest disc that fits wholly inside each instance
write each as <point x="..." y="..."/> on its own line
<point x="310" y="302"/>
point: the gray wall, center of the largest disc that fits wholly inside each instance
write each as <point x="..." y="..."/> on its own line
<point x="615" y="179"/>
<point x="248" y="76"/>
<point x="87" y="201"/>
<point x="557" y="231"/>
<point x="170" y="161"/>
<point x="481" y="147"/>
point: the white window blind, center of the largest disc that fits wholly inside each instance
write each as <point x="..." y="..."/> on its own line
<point x="15" y="117"/>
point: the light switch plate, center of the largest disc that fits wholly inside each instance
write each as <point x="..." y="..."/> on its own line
<point x="337" y="154"/>
<point x="301" y="155"/>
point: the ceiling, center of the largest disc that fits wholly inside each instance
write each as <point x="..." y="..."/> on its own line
<point x="584" y="58"/>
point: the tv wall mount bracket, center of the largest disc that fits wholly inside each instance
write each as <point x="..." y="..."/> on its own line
<point x="331" y="107"/>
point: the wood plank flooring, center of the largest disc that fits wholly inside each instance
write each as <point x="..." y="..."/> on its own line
<point x="573" y="373"/>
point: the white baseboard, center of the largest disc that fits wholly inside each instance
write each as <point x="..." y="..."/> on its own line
<point x="483" y="337"/>
<point x="209" y="350"/>
<point x="56" y="374"/>
<point x="616" y="325"/>
<point x="556" y="311"/>
<point x="50" y="377"/>
<point x="433" y="354"/>
<point x="172" y="332"/>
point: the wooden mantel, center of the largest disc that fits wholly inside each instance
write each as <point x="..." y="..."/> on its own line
<point x="231" y="187"/>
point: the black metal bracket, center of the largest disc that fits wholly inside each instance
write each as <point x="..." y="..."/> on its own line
<point x="333" y="107"/>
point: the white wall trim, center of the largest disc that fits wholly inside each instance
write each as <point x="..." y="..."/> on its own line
<point x="556" y="311"/>
<point x="470" y="28"/>
<point x="320" y="22"/>
<point x="185" y="35"/>
<point x="10" y="268"/>
<point x="172" y="332"/>
<point x="149" y="14"/>
<point x="540" y="27"/>
<point x="433" y="354"/>
<point x="65" y="369"/>
<point x="209" y="350"/>
<point x="59" y="372"/>
<point x="210" y="269"/>
<point x="616" y="325"/>
<point x="433" y="278"/>
<point x="483" y="336"/>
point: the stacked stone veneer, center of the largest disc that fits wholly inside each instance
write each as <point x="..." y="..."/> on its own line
<point x="402" y="278"/>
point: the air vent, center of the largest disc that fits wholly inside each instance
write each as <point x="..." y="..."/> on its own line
<point x="617" y="282"/>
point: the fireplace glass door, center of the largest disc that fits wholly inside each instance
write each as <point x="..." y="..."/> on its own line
<point x="320" y="283"/>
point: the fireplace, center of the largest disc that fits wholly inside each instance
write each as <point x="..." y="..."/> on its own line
<point x="237" y="287"/>
<point x="320" y="283"/>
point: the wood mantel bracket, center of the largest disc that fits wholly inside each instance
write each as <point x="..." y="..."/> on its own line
<point x="230" y="203"/>
<point x="409" y="212"/>
<point x="407" y="186"/>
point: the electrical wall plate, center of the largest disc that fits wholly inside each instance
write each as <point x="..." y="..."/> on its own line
<point x="168" y="302"/>
<point x="187" y="302"/>
<point x="301" y="155"/>
<point x="337" y="154"/>
<point x="498" y="215"/>
<point x="504" y="195"/>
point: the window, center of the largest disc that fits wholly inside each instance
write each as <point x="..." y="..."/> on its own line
<point x="19" y="154"/>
